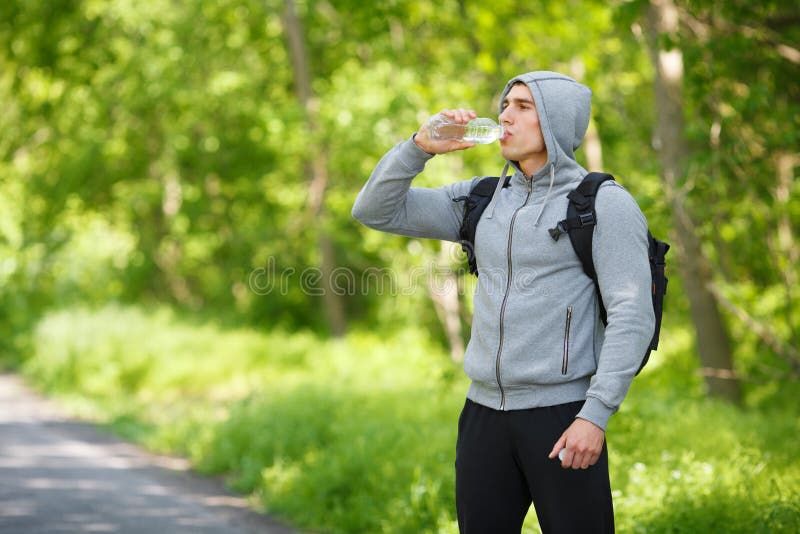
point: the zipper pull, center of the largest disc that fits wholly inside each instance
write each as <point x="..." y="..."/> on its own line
<point x="530" y="184"/>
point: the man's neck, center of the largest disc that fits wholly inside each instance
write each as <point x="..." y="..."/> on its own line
<point x="532" y="166"/>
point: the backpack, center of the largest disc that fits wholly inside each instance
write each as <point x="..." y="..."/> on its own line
<point x="579" y="225"/>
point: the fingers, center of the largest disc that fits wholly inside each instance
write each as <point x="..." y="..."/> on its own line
<point x="572" y="457"/>
<point x="576" y="455"/>
<point x="560" y="444"/>
<point x="462" y="145"/>
<point x="579" y="459"/>
<point x="582" y="443"/>
<point x="460" y="115"/>
<point x="442" y="146"/>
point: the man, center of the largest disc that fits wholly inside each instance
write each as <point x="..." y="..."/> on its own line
<point x="546" y="375"/>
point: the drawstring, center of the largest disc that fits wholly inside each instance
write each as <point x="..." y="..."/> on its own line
<point x="501" y="181"/>
<point x="496" y="195"/>
<point x="552" y="179"/>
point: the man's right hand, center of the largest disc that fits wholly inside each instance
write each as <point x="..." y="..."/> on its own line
<point x="442" y="146"/>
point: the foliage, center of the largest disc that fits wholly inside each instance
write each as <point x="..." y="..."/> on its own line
<point x="153" y="153"/>
<point x="737" y="67"/>
<point x="173" y="127"/>
<point x="157" y="147"/>
<point x="358" y="435"/>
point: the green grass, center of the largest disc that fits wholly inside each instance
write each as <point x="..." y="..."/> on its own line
<point x="358" y="435"/>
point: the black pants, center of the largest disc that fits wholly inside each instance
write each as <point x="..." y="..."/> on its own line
<point x="502" y="466"/>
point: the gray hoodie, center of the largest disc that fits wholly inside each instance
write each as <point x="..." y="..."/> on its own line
<point x="537" y="339"/>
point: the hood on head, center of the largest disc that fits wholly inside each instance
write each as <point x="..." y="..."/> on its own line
<point x="564" y="106"/>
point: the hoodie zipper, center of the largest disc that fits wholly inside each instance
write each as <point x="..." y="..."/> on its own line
<point x="505" y="297"/>
<point x="565" y="359"/>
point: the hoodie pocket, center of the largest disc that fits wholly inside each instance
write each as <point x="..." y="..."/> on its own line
<point x="565" y="358"/>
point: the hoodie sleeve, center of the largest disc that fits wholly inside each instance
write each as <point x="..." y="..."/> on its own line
<point x="387" y="202"/>
<point x="619" y="249"/>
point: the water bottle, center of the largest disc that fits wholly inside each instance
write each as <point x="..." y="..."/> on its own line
<point x="481" y="131"/>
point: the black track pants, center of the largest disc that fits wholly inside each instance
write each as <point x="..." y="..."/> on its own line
<point x="502" y="465"/>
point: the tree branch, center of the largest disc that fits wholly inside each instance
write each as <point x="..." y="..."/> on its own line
<point x="704" y="30"/>
<point x="786" y="352"/>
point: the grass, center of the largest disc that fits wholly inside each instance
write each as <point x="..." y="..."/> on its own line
<point x="358" y="435"/>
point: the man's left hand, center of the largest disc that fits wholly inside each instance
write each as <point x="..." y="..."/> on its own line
<point x="583" y="442"/>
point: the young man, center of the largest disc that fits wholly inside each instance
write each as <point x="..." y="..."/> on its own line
<point x="546" y="374"/>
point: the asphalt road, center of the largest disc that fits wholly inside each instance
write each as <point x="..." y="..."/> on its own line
<point x="58" y="475"/>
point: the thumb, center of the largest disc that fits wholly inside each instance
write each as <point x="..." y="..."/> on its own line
<point x="560" y="444"/>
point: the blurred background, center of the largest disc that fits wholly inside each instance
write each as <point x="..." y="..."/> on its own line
<point x="178" y="260"/>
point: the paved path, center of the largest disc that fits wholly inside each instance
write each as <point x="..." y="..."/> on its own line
<point x="58" y="475"/>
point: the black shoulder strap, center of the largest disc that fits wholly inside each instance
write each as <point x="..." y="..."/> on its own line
<point x="658" y="251"/>
<point x="476" y="202"/>
<point x="486" y="186"/>
<point x="579" y="225"/>
<point x="581" y="219"/>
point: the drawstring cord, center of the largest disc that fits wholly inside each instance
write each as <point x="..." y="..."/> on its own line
<point x="501" y="181"/>
<point x="547" y="195"/>
<point x="496" y="195"/>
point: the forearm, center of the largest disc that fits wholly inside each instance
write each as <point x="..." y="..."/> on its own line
<point x="387" y="202"/>
<point x="382" y="198"/>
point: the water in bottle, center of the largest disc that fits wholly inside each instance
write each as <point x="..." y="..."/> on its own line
<point x="481" y="131"/>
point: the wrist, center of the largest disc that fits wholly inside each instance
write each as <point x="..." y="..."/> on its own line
<point x="414" y="138"/>
<point x="591" y="423"/>
<point x="595" y="412"/>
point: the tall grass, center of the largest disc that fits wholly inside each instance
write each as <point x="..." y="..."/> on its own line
<point x="357" y="435"/>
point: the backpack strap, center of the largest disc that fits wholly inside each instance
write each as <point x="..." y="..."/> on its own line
<point x="658" y="251"/>
<point x="579" y="225"/>
<point x="475" y="203"/>
<point x="486" y="186"/>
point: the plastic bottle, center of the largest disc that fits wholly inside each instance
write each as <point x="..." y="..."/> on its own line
<point x="481" y="130"/>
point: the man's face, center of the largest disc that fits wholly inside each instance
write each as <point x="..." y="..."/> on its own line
<point x="523" y="141"/>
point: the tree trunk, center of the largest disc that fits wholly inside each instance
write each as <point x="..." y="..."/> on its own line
<point x="713" y="342"/>
<point x="443" y="291"/>
<point x="593" y="149"/>
<point x="592" y="146"/>
<point x="788" y="254"/>
<point x="316" y="167"/>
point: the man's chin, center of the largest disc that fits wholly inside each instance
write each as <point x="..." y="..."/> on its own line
<point x="507" y="154"/>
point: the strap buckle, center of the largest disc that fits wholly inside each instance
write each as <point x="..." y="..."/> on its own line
<point x="586" y="219"/>
<point x="560" y="228"/>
